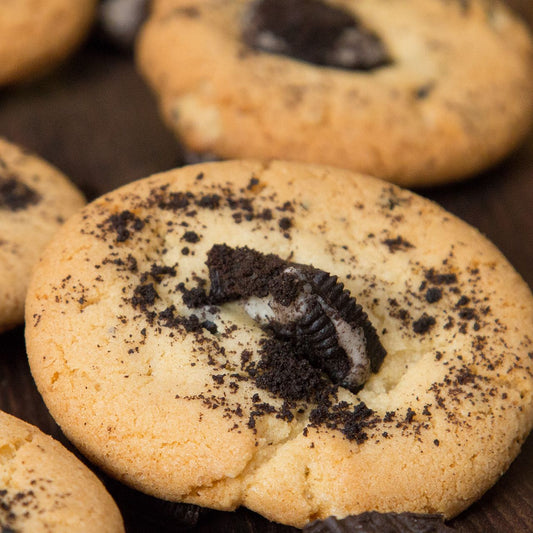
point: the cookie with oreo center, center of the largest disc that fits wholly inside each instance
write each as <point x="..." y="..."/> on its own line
<point x="44" y="487"/>
<point x="35" y="199"/>
<point x="418" y="92"/>
<point x="36" y="35"/>
<point x="163" y="368"/>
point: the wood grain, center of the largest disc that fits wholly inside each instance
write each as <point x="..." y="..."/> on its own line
<point x="96" y="121"/>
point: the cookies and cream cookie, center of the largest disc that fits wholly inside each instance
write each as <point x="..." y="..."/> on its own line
<point x="44" y="487"/>
<point x="301" y="340"/>
<point x="418" y="92"/>
<point x="36" y="35"/>
<point x="35" y="199"/>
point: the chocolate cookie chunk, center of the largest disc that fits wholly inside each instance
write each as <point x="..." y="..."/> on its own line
<point x="313" y="31"/>
<point x="373" y="522"/>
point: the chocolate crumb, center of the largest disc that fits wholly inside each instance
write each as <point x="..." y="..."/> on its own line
<point x="440" y="279"/>
<point x="124" y="224"/>
<point x="191" y="237"/>
<point x="433" y="295"/>
<point x="144" y="295"/>
<point x="285" y="223"/>
<point x="398" y="244"/>
<point x="210" y="201"/>
<point x="252" y="183"/>
<point x="15" y="195"/>
<point x="195" y="297"/>
<point x="423" y="324"/>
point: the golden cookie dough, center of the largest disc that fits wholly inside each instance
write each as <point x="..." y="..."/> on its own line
<point x="190" y="399"/>
<point x="44" y="488"/>
<point x="35" y="199"/>
<point x="455" y="97"/>
<point x="36" y="35"/>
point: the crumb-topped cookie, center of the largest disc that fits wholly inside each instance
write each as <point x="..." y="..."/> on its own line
<point x="418" y="92"/>
<point x="45" y="488"/>
<point x="35" y="199"/>
<point x="36" y="35"/>
<point x="300" y="340"/>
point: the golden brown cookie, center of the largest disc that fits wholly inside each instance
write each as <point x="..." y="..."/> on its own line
<point x="43" y="487"/>
<point x="35" y="199"/>
<point x="300" y="340"/>
<point x="422" y="92"/>
<point x="36" y="35"/>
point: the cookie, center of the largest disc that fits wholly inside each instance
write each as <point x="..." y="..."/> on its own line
<point x="44" y="487"/>
<point x="35" y="199"/>
<point x="418" y="92"/>
<point x="36" y="35"/>
<point x="194" y="334"/>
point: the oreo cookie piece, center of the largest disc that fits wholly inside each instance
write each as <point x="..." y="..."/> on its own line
<point x="120" y="21"/>
<point x="303" y="304"/>
<point x="374" y="522"/>
<point x="315" y="32"/>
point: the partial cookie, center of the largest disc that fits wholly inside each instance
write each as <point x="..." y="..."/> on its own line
<point x="301" y="340"/>
<point x="36" y="35"/>
<point x="35" y="199"/>
<point x="43" y="487"/>
<point x="422" y="92"/>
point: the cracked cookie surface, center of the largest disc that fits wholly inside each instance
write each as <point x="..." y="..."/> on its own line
<point x="192" y="399"/>
<point x="35" y="199"/>
<point x="44" y="487"/>
<point x="448" y="91"/>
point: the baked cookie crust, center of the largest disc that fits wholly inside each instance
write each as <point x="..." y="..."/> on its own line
<point x="167" y="393"/>
<point x="456" y="96"/>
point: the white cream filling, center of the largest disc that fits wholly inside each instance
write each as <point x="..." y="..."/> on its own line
<point x="352" y="340"/>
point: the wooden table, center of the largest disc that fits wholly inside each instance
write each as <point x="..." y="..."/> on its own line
<point x="96" y="120"/>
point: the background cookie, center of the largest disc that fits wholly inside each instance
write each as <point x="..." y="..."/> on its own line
<point x="43" y="487"/>
<point x="145" y="378"/>
<point x="35" y="199"/>
<point x="451" y="93"/>
<point x="35" y="35"/>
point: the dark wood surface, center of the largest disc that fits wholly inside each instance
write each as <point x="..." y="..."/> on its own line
<point x="96" y="121"/>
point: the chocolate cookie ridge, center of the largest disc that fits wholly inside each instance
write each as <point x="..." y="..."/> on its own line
<point x="215" y="411"/>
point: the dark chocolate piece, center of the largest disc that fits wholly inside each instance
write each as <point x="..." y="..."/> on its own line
<point x="315" y="32"/>
<point x="374" y="522"/>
